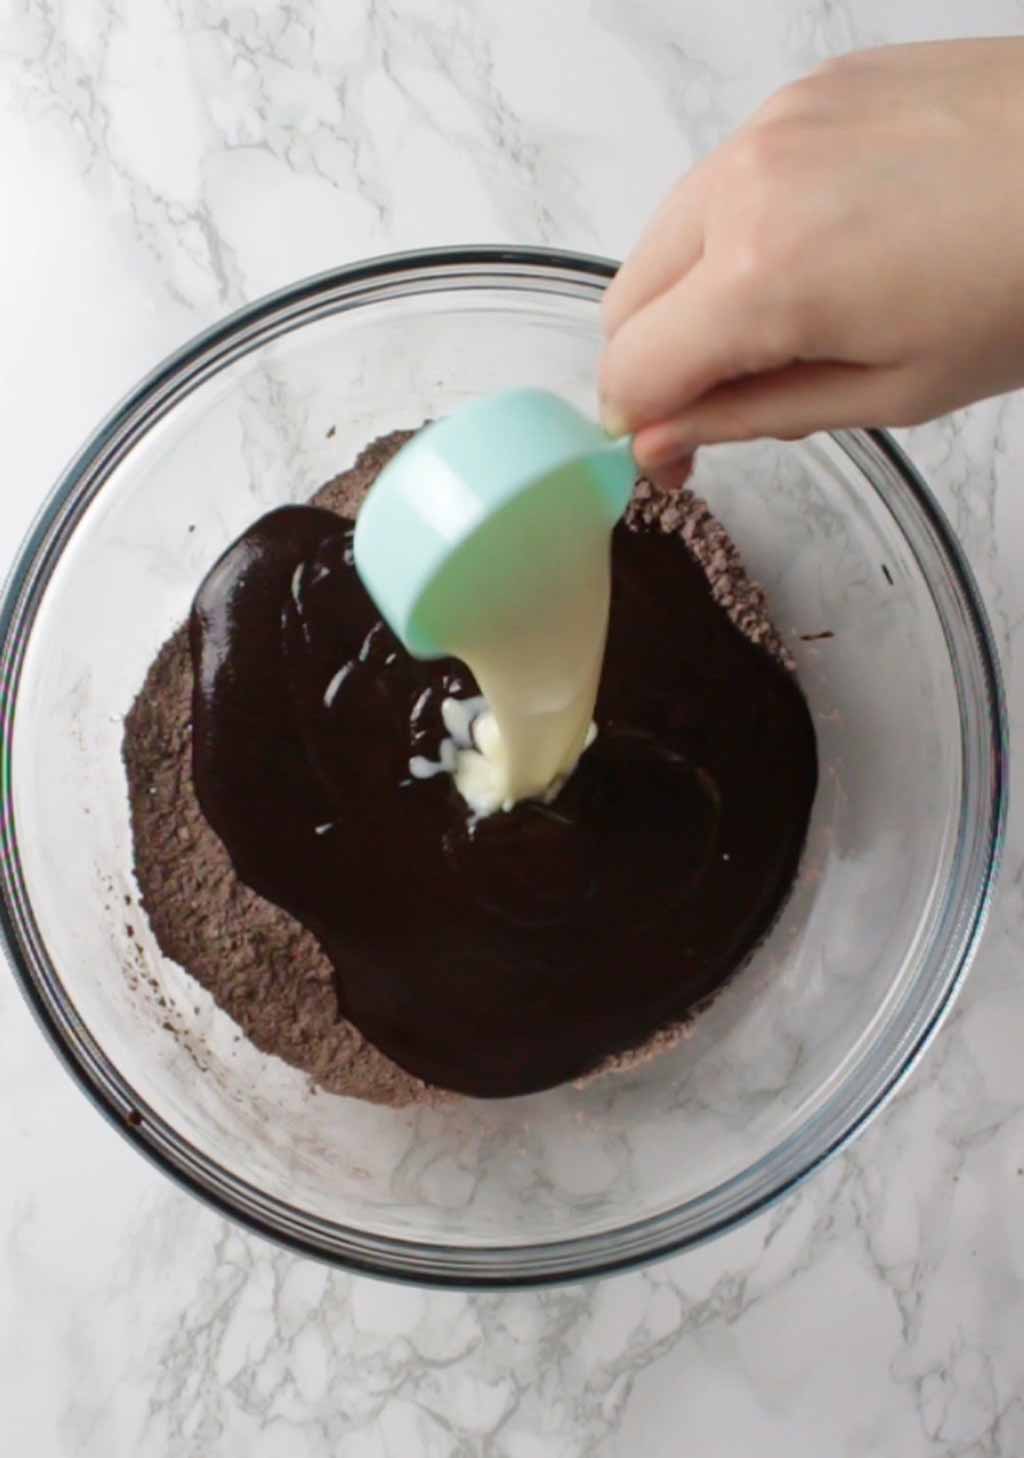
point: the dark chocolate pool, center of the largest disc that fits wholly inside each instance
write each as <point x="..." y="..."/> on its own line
<point x="498" y="956"/>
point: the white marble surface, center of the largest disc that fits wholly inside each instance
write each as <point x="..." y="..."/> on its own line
<point x="163" y="161"/>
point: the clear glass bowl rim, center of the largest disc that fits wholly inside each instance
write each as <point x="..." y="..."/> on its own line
<point x="984" y="749"/>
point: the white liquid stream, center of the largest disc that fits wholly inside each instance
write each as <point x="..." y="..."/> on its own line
<point x="538" y="665"/>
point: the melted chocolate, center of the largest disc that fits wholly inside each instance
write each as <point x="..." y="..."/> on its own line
<point x="504" y="955"/>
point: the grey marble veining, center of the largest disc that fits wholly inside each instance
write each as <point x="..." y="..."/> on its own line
<point x="161" y="162"/>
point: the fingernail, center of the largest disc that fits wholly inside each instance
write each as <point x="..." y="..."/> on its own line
<point x="613" y="420"/>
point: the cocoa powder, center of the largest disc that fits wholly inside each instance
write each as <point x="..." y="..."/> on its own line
<point x="262" y="968"/>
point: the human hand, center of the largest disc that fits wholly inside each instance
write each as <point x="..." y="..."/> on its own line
<point x="853" y="255"/>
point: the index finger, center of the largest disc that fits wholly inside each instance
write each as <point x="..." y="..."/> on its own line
<point x="708" y="328"/>
<point x="669" y="246"/>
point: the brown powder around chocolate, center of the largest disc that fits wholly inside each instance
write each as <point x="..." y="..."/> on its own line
<point x="260" y="966"/>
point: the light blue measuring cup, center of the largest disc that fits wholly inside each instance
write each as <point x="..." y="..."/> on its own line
<point x="479" y="506"/>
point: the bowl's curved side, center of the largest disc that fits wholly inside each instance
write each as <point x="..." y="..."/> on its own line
<point x="954" y="935"/>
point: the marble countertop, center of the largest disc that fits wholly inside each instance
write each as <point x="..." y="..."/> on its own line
<point x="162" y="162"/>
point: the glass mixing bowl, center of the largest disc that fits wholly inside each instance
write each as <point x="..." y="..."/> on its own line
<point x="789" y="1062"/>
